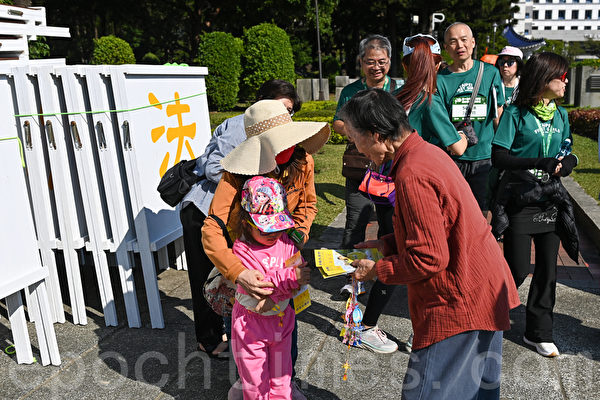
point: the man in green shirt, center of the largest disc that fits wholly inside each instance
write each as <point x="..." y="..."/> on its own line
<point x="455" y="85"/>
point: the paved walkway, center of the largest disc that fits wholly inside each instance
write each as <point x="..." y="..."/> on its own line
<point x="118" y="362"/>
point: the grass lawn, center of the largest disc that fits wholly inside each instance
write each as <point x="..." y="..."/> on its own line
<point x="587" y="173"/>
<point x="329" y="184"/>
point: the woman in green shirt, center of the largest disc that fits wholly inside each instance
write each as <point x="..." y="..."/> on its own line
<point x="528" y="143"/>
<point x="510" y="64"/>
<point x="426" y="112"/>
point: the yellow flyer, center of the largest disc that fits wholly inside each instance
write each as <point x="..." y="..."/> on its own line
<point x="339" y="262"/>
<point x="302" y="298"/>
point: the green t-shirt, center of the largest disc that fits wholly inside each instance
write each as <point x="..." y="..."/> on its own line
<point x="524" y="135"/>
<point x="351" y="89"/>
<point x="508" y="92"/>
<point x="455" y="90"/>
<point x="432" y="122"/>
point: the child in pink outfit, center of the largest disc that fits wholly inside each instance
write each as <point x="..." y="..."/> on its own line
<point x="261" y="333"/>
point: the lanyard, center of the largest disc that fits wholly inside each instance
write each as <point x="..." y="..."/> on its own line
<point x="546" y="136"/>
<point x="386" y="84"/>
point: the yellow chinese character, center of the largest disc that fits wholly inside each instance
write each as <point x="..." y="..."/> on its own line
<point x="180" y="132"/>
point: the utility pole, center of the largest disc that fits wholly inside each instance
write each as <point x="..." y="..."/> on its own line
<point x="321" y="91"/>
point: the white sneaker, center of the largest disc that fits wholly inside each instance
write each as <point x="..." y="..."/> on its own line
<point x="376" y="340"/>
<point x="235" y="392"/>
<point x="296" y="393"/>
<point x="547" y="349"/>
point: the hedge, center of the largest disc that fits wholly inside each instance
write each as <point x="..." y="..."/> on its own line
<point x="112" y="50"/>
<point x="221" y="52"/>
<point x="267" y="55"/>
<point x="585" y="121"/>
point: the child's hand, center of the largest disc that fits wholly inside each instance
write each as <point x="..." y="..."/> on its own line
<point x="303" y="274"/>
<point x="265" y="304"/>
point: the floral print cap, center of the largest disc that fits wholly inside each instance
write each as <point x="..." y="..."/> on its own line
<point x="266" y="202"/>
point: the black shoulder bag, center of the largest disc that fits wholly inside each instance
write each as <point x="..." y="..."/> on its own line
<point x="177" y="182"/>
<point x="466" y="125"/>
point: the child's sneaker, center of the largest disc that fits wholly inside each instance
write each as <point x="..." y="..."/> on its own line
<point x="376" y="340"/>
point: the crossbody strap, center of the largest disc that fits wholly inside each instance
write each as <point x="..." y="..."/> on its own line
<point x="224" y="228"/>
<point x="475" y="90"/>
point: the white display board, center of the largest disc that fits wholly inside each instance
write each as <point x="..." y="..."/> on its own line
<point x="20" y="264"/>
<point x="154" y="139"/>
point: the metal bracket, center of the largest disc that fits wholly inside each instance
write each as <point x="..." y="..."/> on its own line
<point x="126" y="136"/>
<point x="27" y="133"/>
<point x="50" y="134"/>
<point x="75" y="134"/>
<point x="101" y="137"/>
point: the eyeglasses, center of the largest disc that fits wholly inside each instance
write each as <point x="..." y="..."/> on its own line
<point x="379" y="63"/>
<point x="509" y="63"/>
<point x="290" y="111"/>
<point x="563" y="77"/>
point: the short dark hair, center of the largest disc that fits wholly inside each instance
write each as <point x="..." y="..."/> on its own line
<point x="539" y="70"/>
<point x="275" y="88"/>
<point x="376" y="110"/>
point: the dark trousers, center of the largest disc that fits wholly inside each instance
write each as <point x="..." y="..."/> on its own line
<point x="542" y="291"/>
<point x="463" y="366"/>
<point x="359" y="210"/>
<point x="207" y="323"/>
<point x="476" y="174"/>
<point x="380" y="293"/>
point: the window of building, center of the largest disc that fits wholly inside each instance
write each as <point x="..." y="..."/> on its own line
<point x="534" y="28"/>
<point x="527" y="31"/>
<point x="561" y="28"/>
<point x="575" y="14"/>
<point x="573" y="28"/>
<point x="536" y="1"/>
<point x="548" y="14"/>
<point x="588" y="1"/>
<point x="527" y="16"/>
<point x="588" y="14"/>
<point x="562" y="1"/>
<point x="536" y="14"/>
<point x="548" y="1"/>
<point x="587" y="28"/>
<point x="547" y="28"/>
<point x="575" y="1"/>
<point x="561" y="14"/>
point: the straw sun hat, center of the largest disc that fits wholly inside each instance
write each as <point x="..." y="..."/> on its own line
<point x="269" y="131"/>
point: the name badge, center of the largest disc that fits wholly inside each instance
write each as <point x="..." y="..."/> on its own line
<point x="460" y="104"/>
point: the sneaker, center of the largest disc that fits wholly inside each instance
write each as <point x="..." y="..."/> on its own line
<point x="235" y="392"/>
<point x="547" y="349"/>
<point x="376" y="340"/>
<point x="296" y="393"/>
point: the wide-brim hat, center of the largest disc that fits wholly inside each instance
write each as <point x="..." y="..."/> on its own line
<point x="269" y="131"/>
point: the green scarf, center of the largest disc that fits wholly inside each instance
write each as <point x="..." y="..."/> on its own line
<point x="545" y="113"/>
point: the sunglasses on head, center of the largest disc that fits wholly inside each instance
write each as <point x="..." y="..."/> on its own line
<point x="563" y="77"/>
<point x="509" y="63"/>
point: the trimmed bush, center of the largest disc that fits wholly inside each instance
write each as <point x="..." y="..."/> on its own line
<point x="267" y="55"/>
<point x="150" y="58"/>
<point x="585" y="121"/>
<point x="221" y="53"/>
<point x="321" y="111"/>
<point x="112" y="50"/>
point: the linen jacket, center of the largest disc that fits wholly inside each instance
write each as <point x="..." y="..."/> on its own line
<point x="443" y="250"/>
<point x="302" y="204"/>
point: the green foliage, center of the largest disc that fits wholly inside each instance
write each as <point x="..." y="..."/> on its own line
<point x="221" y="52"/>
<point x="39" y="48"/>
<point x="585" y="121"/>
<point x="150" y="58"/>
<point x="321" y="111"/>
<point x="555" y="46"/>
<point x="217" y="117"/>
<point x="588" y="170"/>
<point x="267" y="55"/>
<point x="112" y="50"/>
<point x="7" y="2"/>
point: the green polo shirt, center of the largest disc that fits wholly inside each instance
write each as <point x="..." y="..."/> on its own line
<point x="351" y="89"/>
<point x="432" y="122"/>
<point x="520" y="133"/>
<point x="455" y="90"/>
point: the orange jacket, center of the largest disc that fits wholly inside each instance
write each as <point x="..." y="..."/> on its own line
<point x="302" y="204"/>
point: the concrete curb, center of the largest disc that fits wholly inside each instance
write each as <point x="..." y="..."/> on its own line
<point x="587" y="210"/>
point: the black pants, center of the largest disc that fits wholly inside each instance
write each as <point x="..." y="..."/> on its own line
<point x="358" y="214"/>
<point x="542" y="291"/>
<point x="380" y="293"/>
<point x="476" y="174"/>
<point x="208" y="324"/>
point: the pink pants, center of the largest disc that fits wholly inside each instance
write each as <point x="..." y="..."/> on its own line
<point x="262" y="352"/>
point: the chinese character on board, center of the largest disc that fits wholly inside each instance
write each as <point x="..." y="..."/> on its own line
<point x="180" y="132"/>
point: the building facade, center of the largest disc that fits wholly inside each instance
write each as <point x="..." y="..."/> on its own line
<point x="568" y="20"/>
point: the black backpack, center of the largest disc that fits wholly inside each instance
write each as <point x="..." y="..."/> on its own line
<point x="177" y="182"/>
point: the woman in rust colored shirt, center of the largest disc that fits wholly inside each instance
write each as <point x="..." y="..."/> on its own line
<point x="460" y="289"/>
